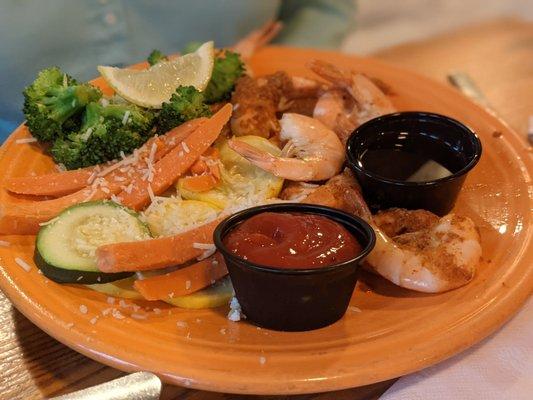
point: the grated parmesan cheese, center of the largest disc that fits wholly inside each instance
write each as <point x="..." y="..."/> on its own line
<point x="235" y="314"/>
<point x="85" y="136"/>
<point x="25" y="140"/>
<point x="207" y="254"/>
<point x="151" y="193"/>
<point x="116" y="199"/>
<point x="107" y="310"/>
<point x="138" y="316"/>
<point x="185" y="147"/>
<point x="23" y="264"/>
<point x="83" y="309"/>
<point x="48" y="222"/>
<point x="126" y="117"/>
<point x="92" y="177"/>
<point x="4" y="243"/>
<point x="203" y="246"/>
<point x="354" y="309"/>
<point x="117" y="314"/>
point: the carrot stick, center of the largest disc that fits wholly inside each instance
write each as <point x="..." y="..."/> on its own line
<point x="157" y="253"/>
<point x="178" y="161"/>
<point x="24" y="217"/>
<point x="183" y="281"/>
<point x="55" y="184"/>
<point x="200" y="183"/>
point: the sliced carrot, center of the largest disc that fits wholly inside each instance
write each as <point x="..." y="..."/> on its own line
<point x="184" y="281"/>
<point x="178" y="161"/>
<point x="199" y="167"/>
<point x="55" y="184"/>
<point x="199" y="183"/>
<point x="24" y="217"/>
<point x="212" y="152"/>
<point x="155" y="253"/>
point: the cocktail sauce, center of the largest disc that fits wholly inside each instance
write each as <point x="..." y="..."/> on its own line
<point x="292" y="241"/>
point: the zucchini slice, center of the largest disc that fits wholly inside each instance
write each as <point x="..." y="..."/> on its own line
<point x="62" y="275"/>
<point x="65" y="247"/>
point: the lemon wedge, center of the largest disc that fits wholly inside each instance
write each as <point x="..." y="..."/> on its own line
<point x="155" y="85"/>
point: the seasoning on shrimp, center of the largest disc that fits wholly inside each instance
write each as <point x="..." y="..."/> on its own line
<point x="257" y="101"/>
<point x="427" y="253"/>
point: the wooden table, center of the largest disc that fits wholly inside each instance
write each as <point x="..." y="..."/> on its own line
<point x="498" y="55"/>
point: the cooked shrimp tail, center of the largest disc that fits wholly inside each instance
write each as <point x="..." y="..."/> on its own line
<point x="353" y="99"/>
<point x="258" y="38"/>
<point x="319" y="154"/>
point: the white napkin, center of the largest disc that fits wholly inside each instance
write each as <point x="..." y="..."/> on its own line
<point x="499" y="368"/>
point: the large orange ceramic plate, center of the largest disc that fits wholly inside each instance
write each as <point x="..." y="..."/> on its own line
<point x="396" y="331"/>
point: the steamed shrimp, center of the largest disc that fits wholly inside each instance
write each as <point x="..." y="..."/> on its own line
<point x="257" y="101"/>
<point x="414" y="248"/>
<point x="352" y="100"/>
<point x="318" y="152"/>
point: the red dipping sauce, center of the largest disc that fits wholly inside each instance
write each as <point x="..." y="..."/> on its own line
<point x="292" y="241"/>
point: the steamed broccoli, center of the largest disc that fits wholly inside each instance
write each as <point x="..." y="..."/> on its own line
<point x="226" y="70"/>
<point x="186" y="104"/>
<point x="156" y="56"/>
<point x="106" y="131"/>
<point x="54" y="102"/>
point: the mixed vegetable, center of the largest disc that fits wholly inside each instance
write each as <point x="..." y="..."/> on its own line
<point x="133" y="214"/>
<point x="85" y="128"/>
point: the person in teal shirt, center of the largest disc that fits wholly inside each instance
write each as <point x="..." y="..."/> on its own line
<point x="79" y="35"/>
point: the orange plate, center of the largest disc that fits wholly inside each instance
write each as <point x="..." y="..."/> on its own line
<point x="395" y="333"/>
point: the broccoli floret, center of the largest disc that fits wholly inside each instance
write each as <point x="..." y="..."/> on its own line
<point x="186" y="104"/>
<point x="54" y="102"/>
<point x="106" y="132"/>
<point x="156" y="56"/>
<point x="226" y="70"/>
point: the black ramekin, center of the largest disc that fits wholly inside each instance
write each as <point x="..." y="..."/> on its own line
<point x="294" y="299"/>
<point x="449" y="138"/>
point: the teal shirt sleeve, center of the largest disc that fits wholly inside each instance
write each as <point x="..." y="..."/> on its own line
<point x="316" y="23"/>
<point x="78" y="35"/>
